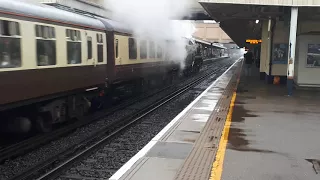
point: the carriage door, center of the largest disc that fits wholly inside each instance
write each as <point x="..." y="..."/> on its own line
<point x="91" y="55"/>
<point x="116" y="52"/>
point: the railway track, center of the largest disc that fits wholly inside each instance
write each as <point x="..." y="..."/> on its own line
<point x="54" y="166"/>
<point x="29" y="144"/>
<point x="20" y="148"/>
<point x="36" y="141"/>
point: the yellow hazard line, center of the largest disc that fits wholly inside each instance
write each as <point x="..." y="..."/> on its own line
<point x="217" y="167"/>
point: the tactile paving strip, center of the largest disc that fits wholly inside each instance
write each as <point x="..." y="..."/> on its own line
<point x="199" y="162"/>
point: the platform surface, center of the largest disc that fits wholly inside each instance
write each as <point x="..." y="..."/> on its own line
<point x="268" y="136"/>
<point x="272" y="136"/>
<point x="165" y="155"/>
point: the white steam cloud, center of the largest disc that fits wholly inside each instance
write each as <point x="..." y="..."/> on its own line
<point x="152" y="19"/>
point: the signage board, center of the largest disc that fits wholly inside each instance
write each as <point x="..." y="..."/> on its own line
<point x="254" y="41"/>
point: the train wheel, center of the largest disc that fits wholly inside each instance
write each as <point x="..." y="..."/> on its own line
<point x="17" y="125"/>
<point x="139" y="86"/>
<point x="97" y="103"/>
<point x="169" y="79"/>
<point x="187" y="72"/>
<point x="165" y="80"/>
<point x="175" y="76"/>
<point x="100" y="104"/>
<point x="197" y="68"/>
<point x="43" y="123"/>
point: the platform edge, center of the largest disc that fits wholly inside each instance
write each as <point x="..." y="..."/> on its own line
<point x="146" y="148"/>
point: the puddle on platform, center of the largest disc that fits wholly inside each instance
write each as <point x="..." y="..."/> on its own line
<point x="244" y="94"/>
<point x="237" y="137"/>
<point x="238" y="102"/>
<point x="240" y="90"/>
<point x="240" y="113"/>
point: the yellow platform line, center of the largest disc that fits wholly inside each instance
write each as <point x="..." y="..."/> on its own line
<point x="217" y="167"/>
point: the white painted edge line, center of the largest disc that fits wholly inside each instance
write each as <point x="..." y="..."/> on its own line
<point x="146" y="148"/>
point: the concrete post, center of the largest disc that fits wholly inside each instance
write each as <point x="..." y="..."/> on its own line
<point x="265" y="50"/>
<point x="292" y="48"/>
<point x="269" y="55"/>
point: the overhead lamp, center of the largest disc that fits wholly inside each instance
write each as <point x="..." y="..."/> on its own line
<point x="257" y="21"/>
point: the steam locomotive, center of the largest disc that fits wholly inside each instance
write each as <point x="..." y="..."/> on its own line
<point x="55" y="65"/>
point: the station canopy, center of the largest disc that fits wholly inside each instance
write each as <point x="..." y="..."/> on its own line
<point x="239" y="21"/>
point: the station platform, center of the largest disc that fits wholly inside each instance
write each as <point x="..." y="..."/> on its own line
<point x="272" y="136"/>
<point x="238" y="128"/>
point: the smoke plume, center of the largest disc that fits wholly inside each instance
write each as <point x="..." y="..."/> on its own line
<point x="152" y="19"/>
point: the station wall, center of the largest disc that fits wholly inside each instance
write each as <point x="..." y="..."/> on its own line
<point x="308" y="32"/>
<point x="307" y="64"/>
<point x="280" y="36"/>
<point x="308" y="27"/>
<point x="211" y="32"/>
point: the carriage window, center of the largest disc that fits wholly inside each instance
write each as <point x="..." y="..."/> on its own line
<point x="100" y="47"/>
<point x="117" y="48"/>
<point x="132" y="48"/>
<point x="143" y="49"/>
<point x="159" y="52"/>
<point x="10" y="47"/>
<point x="73" y="46"/>
<point x="152" y="52"/>
<point x="46" y="45"/>
<point x="89" y="46"/>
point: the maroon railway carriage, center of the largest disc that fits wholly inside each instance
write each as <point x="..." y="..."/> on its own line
<point x="54" y="64"/>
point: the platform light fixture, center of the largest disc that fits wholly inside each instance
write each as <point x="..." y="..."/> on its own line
<point x="257" y="21"/>
<point x="254" y="41"/>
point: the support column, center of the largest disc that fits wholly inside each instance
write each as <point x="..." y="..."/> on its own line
<point x="269" y="55"/>
<point x="292" y="49"/>
<point x="265" y="51"/>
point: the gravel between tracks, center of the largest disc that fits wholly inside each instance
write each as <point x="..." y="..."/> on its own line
<point x="121" y="149"/>
<point x="106" y="161"/>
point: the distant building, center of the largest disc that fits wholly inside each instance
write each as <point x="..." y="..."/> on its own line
<point x="211" y="32"/>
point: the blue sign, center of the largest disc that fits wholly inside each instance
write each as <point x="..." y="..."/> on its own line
<point x="280" y="53"/>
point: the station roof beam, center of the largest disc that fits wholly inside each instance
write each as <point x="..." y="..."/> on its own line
<point x="239" y="20"/>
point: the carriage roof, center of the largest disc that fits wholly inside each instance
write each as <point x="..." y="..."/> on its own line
<point x="46" y="12"/>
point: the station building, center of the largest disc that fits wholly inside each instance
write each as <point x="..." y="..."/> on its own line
<point x="288" y="31"/>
